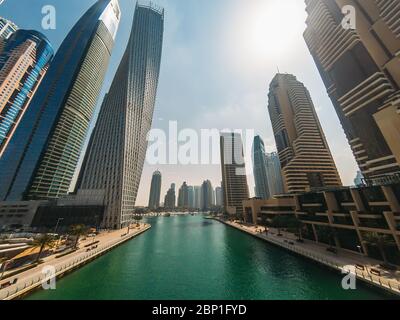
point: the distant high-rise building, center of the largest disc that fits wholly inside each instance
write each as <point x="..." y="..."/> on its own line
<point x="206" y="195"/>
<point x="274" y="174"/>
<point x="170" y="198"/>
<point x="234" y="179"/>
<point x="41" y="158"/>
<point x="155" y="191"/>
<point x="359" y="179"/>
<point x="304" y="153"/>
<point x="6" y="28"/>
<point x="183" y="196"/>
<point x="197" y="197"/>
<point x="360" y="69"/>
<point x="191" y="197"/>
<point x="260" y="169"/>
<point x="24" y="61"/>
<point x="115" y="156"/>
<point x="219" y="197"/>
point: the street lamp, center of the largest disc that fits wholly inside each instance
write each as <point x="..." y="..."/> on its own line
<point x="58" y="221"/>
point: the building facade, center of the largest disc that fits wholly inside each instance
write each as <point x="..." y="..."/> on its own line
<point x="260" y="169"/>
<point x="219" y="197"/>
<point x="360" y="69"/>
<point x="170" y="198"/>
<point x="343" y="217"/>
<point x="6" y="28"/>
<point x="155" y="191"/>
<point x="183" y="196"/>
<point x="41" y="158"/>
<point x="197" y="197"/>
<point x="125" y="119"/>
<point x="304" y="153"/>
<point x="24" y="61"/>
<point x="234" y="179"/>
<point x="206" y="196"/>
<point x="274" y="174"/>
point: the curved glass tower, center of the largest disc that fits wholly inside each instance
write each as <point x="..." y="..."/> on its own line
<point x="41" y="158"/>
<point x="24" y="61"/>
<point x="155" y="191"/>
<point x="117" y="150"/>
<point x="259" y="169"/>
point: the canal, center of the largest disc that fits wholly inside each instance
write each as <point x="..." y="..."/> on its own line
<point x="188" y="257"/>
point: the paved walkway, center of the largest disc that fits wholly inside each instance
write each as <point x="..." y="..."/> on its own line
<point x="32" y="278"/>
<point x="344" y="260"/>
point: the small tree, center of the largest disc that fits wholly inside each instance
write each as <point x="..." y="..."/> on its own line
<point x="279" y="222"/>
<point x="77" y="231"/>
<point x="297" y="226"/>
<point x="381" y="241"/>
<point x="45" y="240"/>
<point x="137" y="219"/>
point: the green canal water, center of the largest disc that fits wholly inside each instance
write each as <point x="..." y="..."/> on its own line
<point x="188" y="257"/>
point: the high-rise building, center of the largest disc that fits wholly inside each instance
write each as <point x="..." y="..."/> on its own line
<point x="41" y="158"/>
<point x="116" y="153"/>
<point x="206" y="195"/>
<point x="260" y="169"/>
<point x="304" y="153"/>
<point x="155" y="191"/>
<point x="234" y="179"/>
<point x="6" y="28"/>
<point x="191" y="196"/>
<point x="274" y="174"/>
<point x="170" y="198"/>
<point x="360" y="69"/>
<point x="24" y="61"/>
<point x="183" y="196"/>
<point x="197" y="197"/>
<point x="219" y="197"/>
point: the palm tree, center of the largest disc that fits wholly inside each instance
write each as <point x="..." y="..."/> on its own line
<point x="279" y="222"/>
<point x="78" y="231"/>
<point x="296" y="225"/>
<point x="381" y="241"/>
<point x="45" y="240"/>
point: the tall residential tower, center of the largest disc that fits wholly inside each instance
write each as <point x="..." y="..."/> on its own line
<point x="260" y="169"/>
<point x="117" y="149"/>
<point x="234" y="179"/>
<point x="155" y="191"/>
<point x="41" y="158"/>
<point x="24" y="61"/>
<point x="361" y="71"/>
<point x="304" y="153"/>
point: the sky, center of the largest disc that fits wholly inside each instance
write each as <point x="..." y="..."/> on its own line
<point x="218" y="60"/>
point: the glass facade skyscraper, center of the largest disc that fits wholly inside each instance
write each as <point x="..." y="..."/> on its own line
<point x="41" y="159"/>
<point x="116" y="153"/>
<point x="155" y="191"/>
<point x="24" y="61"/>
<point x="260" y="169"/>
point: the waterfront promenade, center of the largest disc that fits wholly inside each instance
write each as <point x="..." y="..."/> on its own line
<point x="32" y="279"/>
<point x="343" y="261"/>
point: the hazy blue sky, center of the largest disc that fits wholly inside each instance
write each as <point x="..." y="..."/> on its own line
<point x="218" y="59"/>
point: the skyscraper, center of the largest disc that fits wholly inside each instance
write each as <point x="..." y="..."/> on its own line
<point x="206" y="195"/>
<point x="274" y="174"/>
<point x="234" y="179"/>
<point x="219" y="197"/>
<point x="117" y="150"/>
<point x="360" y="69"/>
<point x="260" y="169"/>
<point x="197" y="197"/>
<point x="42" y="156"/>
<point x="191" y="196"/>
<point x="183" y="196"/>
<point x="304" y="153"/>
<point x="6" y="28"/>
<point x="170" y="198"/>
<point x="24" y="61"/>
<point x="155" y="191"/>
<point x="359" y="179"/>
